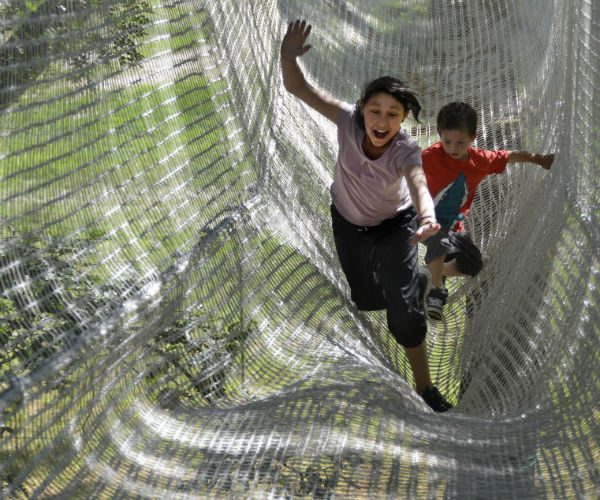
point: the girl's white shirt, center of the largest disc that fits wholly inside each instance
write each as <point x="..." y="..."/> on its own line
<point x="365" y="191"/>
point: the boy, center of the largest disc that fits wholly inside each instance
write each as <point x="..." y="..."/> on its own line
<point x="454" y="169"/>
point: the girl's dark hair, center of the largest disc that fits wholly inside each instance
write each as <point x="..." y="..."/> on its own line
<point x="393" y="87"/>
<point x="457" y="116"/>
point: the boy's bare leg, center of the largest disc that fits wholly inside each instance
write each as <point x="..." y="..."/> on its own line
<point x="417" y="357"/>
<point x="436" y="267"/>
<point x="451" y="269"/>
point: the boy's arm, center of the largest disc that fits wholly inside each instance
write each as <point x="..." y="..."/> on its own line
<point x="419" y="194"/>
<point x="294" y="82"/>
<point x="544" y="161"/>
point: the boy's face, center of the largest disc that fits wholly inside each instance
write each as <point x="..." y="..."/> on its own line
<point x="456" y="143"/>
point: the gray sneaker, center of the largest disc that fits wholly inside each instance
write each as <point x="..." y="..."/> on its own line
<point x="436" y="300"/>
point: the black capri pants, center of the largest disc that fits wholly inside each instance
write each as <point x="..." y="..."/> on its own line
<point x="381" y="267"/>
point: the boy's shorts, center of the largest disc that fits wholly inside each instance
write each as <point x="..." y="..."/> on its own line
<point x="452" y="245"/>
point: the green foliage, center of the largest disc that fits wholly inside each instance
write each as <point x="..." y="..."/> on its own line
<point x="112" y="32"/>
<point x="190" y="358"/>
<point x="131" y="18"/>
<point x="49" y="288"/>
<point x="84" y="33"/>
<point x="46" y="289"/>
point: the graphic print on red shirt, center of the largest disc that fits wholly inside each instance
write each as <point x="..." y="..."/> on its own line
<point x="454" y="191"/>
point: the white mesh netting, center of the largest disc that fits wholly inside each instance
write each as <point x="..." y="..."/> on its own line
<point x="173" y="319"/>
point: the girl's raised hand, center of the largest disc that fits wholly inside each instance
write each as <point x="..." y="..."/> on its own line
<point x="292" y="45"/>
<point x="425" y="231"/>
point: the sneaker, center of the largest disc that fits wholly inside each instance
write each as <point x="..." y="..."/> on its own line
<point x="436" y="300"/>
<point x="424" y="287"/>
<point x="435" y="400"/>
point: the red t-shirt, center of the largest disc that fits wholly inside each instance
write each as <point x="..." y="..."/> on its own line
<point x="442" y="171"/>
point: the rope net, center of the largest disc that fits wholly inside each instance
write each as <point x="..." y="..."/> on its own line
<point x="173" y="318"/>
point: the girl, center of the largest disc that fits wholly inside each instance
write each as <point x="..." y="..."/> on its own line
<point x="378" y="190"/>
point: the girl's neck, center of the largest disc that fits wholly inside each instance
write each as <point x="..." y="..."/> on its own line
<point x="373" y="152"/>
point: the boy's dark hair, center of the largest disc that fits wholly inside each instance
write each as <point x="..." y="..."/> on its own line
<point x="394" y="87"/>
<point x="457" y="116"/>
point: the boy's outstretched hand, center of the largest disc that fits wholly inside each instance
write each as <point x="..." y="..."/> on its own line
<point x="292" y="45"/>
<point x="545" y="161"/>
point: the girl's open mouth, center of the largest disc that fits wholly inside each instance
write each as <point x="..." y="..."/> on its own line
<point x="380" y="134"/>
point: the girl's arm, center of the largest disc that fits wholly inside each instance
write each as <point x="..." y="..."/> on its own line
<point x="544" y="161"/>
<point x="294" y="82"/>
<point x="421" y="198"/>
